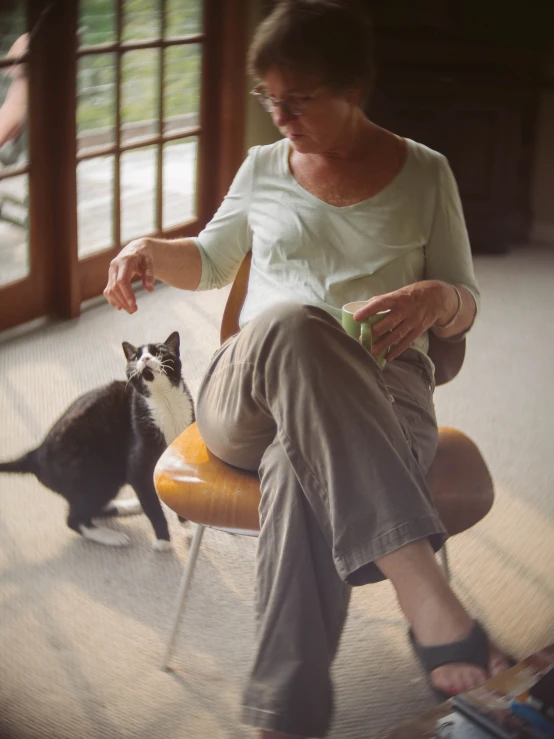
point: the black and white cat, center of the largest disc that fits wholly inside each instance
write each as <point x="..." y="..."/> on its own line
<point x="112" y="436"/>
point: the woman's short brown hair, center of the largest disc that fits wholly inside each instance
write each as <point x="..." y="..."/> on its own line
<point x="329" y="38"/>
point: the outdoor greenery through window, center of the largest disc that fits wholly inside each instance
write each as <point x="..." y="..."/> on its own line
<point x="12" y="25"/>
<point x="159" y="94"/>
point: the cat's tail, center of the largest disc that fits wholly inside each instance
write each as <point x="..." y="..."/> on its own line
<point x="25" y="464"/>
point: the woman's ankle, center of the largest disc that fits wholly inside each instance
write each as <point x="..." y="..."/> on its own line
<point x="428" y="602"/>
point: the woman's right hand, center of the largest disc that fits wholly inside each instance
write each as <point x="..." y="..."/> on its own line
<point x="135" y="259"/>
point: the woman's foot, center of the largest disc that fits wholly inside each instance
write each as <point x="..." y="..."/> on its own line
<point x="483" y="659"/>
<point x="436" y="615"/>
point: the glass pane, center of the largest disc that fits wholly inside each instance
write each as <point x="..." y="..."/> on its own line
<point x="12" y="26"/>
<point x="138" y="187"/>
<point x="14" y="235"/>
<point x="95" y="186"/>
<point x="140" y="93"/>
<point x="183" y="17"/>
<point x="182" y="86"/>
<point x="96" y="100"/>
<point x="96" y="22"/>
<point x="141" y="19"/>
<point x="179" y="181"/>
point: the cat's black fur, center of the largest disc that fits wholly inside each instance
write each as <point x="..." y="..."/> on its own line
<point x="108" y="437"/>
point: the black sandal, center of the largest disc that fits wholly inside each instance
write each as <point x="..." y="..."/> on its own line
<point x="473" y="649"/>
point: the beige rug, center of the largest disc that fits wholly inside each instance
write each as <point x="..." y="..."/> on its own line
<point x="83" y="627"/>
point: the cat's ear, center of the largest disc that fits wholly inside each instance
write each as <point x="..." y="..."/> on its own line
<point x="172" y="342"/>
<point x="129" y="349"/>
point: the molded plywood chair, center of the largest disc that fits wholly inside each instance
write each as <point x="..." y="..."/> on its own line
<point x="203" y="489"/>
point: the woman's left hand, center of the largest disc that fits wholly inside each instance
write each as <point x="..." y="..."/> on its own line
<point x="413" y="309"/>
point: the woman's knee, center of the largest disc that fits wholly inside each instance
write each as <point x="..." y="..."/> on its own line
<point x="293" y="321"/>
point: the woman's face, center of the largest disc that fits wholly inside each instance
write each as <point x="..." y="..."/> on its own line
<point x="325" y="123"/>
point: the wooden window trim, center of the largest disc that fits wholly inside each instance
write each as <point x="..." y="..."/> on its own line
<point x="65" y="281"/>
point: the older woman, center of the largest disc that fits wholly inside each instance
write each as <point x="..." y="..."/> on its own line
<point x="338" y="210"/>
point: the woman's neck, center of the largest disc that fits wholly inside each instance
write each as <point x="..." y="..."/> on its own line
<point x="356" y="142"/>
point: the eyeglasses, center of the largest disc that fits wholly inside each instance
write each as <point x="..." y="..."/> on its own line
<point x="291" y="106"/>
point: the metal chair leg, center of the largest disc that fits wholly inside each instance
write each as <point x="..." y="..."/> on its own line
<point x="445" y="564"/>
<point x="183" y="591"/>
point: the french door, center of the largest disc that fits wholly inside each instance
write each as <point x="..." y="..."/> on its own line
<point x="134" y="127"/>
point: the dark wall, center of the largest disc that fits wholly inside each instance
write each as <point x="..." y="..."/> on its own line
<point x="513" y="24"/>
<point x="464" y="77"/>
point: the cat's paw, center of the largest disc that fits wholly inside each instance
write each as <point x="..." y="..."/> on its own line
<point x="126" y="506"/>
<point x="162" y="545"/>
<point x="103" y="535"/>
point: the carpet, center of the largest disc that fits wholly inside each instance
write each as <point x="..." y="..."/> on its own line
<point x="83" y="627"/>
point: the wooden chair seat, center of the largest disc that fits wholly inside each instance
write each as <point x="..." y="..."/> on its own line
<point x="202" y="488"/>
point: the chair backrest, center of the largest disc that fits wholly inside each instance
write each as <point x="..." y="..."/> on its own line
<point x="447" y="357"/>
<point x="235" y="301"/>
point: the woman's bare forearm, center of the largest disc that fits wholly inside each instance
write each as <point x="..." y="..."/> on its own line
<point x="177" y="262"/>
<point x="465" y="317"/>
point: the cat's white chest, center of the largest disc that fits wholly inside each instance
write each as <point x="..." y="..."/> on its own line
<point x="171" y="410"/>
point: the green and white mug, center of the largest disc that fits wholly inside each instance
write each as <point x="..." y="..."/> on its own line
<point x="363" y="329"/>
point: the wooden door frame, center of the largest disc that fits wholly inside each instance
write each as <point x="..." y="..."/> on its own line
<point x="65" y="281"/>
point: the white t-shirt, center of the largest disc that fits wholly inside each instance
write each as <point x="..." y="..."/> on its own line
<point x="308" y="251"/>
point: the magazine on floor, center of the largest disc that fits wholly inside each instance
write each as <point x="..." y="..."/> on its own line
<point x="517" y="704"/>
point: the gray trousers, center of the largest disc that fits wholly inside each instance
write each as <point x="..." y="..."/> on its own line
<point x="342" y="450"/>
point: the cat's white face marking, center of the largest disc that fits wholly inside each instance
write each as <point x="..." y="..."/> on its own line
<point x="143" y="359"/>
<point x="148" y="360"/>
<point x="155" y="376"/>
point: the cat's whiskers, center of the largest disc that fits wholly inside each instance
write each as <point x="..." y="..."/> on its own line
<point x="154" y="365"/>
<point x="164" y="365"/>
<point x="134" y="373"/>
